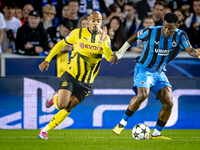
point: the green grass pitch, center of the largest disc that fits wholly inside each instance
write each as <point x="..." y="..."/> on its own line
<point x="94" y="139"/>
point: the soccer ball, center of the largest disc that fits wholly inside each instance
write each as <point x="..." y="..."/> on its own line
<point x="141" y="132"/>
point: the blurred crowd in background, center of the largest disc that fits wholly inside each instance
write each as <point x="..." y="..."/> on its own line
<point x="33" y="27"/>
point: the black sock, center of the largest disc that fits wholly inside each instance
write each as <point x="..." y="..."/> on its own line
<point x="129" y="113"/>
<point x="161" y="123"/>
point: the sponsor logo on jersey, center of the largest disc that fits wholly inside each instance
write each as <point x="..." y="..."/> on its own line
<point x="87" y="46"/>
<point x="162" y="52"/>
<point x="157" y="42"/>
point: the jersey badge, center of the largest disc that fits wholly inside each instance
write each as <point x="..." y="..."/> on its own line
<point x="174" y="44"/>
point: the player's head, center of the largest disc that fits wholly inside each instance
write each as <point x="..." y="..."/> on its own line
<point x="94" y="21"/>
<point x="170" y="24"/>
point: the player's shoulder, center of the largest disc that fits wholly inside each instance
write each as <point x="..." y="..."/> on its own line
<point x="178" y="31"/>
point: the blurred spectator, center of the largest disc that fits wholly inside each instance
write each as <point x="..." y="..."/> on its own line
<point x="56" y="34"/>
<point x="158" y="12"/>
<point x="193" y="24"/>
<point x="58" y="4"/>
<point x="83" y="22"/>
<point x="112" y="11"/>
<point x="121" y="4"/>
<point x="131" y="22"/>
<point x="147" y="21"/>
<point x="165" y="11"/>
<point x="32" y="37"/>
<point x="73" y="12"/>
<point x="18" y="14"/>
<point x="26" y="10"/>
<point x="116" y="33"/>
<point x="87" y="6"/>
<point x="2" y="26"/>
<point x="108" y="3"/>
<point x="12" y="25"/>
<point x="183" y="4"/>
<point x="48" y="13"/>
<point x="144" y="8"/>
<point x="181" y="19"/>
<point x="65" y="11"/>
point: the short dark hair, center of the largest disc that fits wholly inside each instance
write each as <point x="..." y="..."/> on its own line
<point x="159" y="3"/>
<point x="9" y="4"/>
<point x="132" y="4"/>
<point x="171" y="18"/>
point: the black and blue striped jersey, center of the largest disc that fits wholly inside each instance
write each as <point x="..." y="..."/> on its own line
<point x="159" y="50"/>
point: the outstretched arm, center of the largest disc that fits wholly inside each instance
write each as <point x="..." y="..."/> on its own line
<point x="192" y="52"/>
<point x="54" y="51"/>
<point x="118" y="55"/>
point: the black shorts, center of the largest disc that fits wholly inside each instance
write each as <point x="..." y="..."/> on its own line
<point x="79" y="89"/>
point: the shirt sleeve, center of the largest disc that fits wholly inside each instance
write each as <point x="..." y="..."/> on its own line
<point x="2" y="22"/>
<point x="184" y="41"/>
<point x="56" y="49"/>
<point x="107" y="49"/>
<point x="72" y="37"/>
<point x="143" y="34"/>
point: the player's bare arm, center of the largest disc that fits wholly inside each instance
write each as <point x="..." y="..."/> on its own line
<point x="192" y="52"/>
<point x="118" y="55"/>
<point x="43" y="65"/>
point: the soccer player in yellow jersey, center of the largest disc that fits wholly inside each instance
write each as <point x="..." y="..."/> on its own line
<point x="89" y="45"/>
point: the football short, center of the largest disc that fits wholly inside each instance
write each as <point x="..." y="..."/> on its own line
<point x="79" y="89"/>
<point x="152" y="80"/>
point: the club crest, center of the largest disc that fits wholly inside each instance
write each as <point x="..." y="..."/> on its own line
<point x="174" y="44"/>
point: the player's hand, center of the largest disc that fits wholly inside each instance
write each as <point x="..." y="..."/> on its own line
<point x="198" y="53"/>
<point x="103" y="34"/>
<point x="114" y="58"/>
<point x="43" y="65"/>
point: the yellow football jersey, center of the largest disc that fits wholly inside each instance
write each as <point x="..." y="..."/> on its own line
<point x="86" y="57"/>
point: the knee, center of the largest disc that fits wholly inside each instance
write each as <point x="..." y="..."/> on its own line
<point x="61" y="105"/>
<point x="169" y="104"/>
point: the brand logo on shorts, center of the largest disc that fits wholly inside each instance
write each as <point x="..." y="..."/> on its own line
<point x="142" y="82"/>
<point x="64" y="83"/>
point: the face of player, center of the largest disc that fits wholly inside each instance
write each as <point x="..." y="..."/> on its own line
<point x="148" y="22"/>
<point x="18" y="13"/>
<point x="95" y="21"/>
<point x="84" y="24"/>
<point x="196" y="7"/>
<point x="114" y="24"/>
<point x="168" y="28"/>
<point x="73" y="7"/>
<point x="158" y="11"/>
<point x="8" y="12"/>
<point x="33" y="21"/>
<point x="26" y="9"/>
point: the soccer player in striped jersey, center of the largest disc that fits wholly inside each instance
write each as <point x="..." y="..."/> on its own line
<point x="89" y="45"/>
<point x="162" y="44"/>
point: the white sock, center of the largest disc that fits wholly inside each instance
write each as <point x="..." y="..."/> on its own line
<point x="43" y="130"/>
<point x="123" y="122"/>
<point x="156" y="132"/>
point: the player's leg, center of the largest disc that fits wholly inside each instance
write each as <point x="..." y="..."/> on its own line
<point x="162" y="90"/>
<point x="166" y="98"/>
<point x="135" y="103"/>
<point x="59" y="117"/>
<point x="142" y="81"/>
